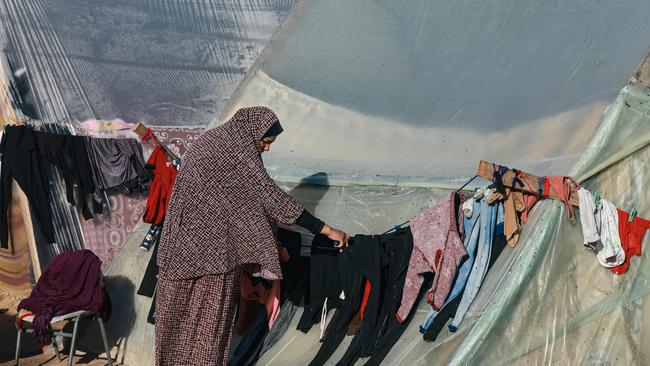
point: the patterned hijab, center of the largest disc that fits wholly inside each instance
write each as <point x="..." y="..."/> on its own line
<point x="224" y="206"/>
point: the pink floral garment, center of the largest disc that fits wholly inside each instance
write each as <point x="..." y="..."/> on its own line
<point x="436" y="248"/>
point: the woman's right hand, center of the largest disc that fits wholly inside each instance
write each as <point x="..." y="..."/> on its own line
<point x="336" y="235"/>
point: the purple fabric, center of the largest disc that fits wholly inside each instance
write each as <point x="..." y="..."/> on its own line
<point x="72" y="282"/>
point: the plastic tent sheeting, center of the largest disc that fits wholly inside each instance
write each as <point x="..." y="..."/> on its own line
<point x="169" y="62"/>
<point x="392" y="102"/>
<point x="547" y="301"/>
<point x="416" y="92"/>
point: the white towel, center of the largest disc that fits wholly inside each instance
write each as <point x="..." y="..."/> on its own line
<point x="612" y="253"/>
<point x="589" y="218"/>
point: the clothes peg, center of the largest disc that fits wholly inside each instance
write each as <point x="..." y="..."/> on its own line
<point x="597" y="198"/>
<point x="632" y="215"/>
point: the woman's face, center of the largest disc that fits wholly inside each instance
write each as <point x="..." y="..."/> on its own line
<point x="265" y="143"/>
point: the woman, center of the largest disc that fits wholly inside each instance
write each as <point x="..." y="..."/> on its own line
<point x="221" y="219"/>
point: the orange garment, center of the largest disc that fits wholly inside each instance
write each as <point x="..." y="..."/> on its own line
<point x="160" y="189"/>
<point x="513" y="206"/>
<point x="516" y="204"/>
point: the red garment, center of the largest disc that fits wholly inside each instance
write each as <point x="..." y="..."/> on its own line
<point x="631" y="234"/>
<point x="366" y="295"/>
<point x="161" y="188"/>
<point x="258" y="294"/>
<point x="561" y="186"/>
<point x="250" y="292"/>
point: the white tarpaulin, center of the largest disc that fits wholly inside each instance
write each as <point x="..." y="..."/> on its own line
<point x="416" y="92"/>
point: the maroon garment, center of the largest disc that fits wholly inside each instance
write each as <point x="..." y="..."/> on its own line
<point x="72" y="282"/>
<point x="224" y="205"/>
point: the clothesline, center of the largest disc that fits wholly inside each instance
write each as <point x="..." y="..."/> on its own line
<point x="89" y="166"/>
<point x="407" y="221"/>
<point x="525" y="182"/>
<point x="146" y="134"/>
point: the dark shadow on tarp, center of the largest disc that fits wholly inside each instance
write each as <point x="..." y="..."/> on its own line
<point x="21" y="92"/>
<point x="119" y="326"/>
<point x="311" y="190"/>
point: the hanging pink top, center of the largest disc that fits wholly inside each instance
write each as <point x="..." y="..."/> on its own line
<point x="436" y="248"/>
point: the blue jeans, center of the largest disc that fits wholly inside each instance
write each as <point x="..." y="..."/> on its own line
<point x="471" y="241"/>
<point x="489" y="216"/>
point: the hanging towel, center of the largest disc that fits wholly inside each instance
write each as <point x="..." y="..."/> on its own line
<point x="589" y="218"/>
<point x="612" y="253"/>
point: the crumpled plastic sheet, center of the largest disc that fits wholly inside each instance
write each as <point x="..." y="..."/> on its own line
<point x="168" y="62"/>
<point x="546" y="301"/>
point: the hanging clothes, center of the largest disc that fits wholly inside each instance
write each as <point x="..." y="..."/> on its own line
<point x="150" y="278"/>
<point x="258" y="338"/>
<point x="295" y="275"/>
<point x="160" y="189"/>
<point x="263" y="292"/>
<point x="589" y="219"/>
<point x="21" y="162"/>
<point x="516" y="203"/>
<point x="388" y="328"/>
<point x="69" y="154"/>
<point x="115" y="164"/>
<point x="563" y="186"/>
<point x="384" y="265"/>
<point x="352" y="281"/>
<point x="436" y="248"/>
<point x="472" y="227"/>
<point x="631" y="234"/>
<point x="449" y="310"/>
<point x="488" y="222"/>
<point x="383" y="261"/>
<point x="322" y="284"/>
<point x="248" y="349"/>
<point x="611" y="254"/>
<point x="152" y="237"/>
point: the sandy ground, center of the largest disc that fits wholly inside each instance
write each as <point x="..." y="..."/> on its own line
<point x="31" y="353"/>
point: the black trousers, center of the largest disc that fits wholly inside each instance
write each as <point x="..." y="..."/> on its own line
<point x="21" y="161"/>
<point x="68" y="153"/>
<point x="380" y="328"/>
<point x="323" y="282"/>
<point x="383" y="261"/>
